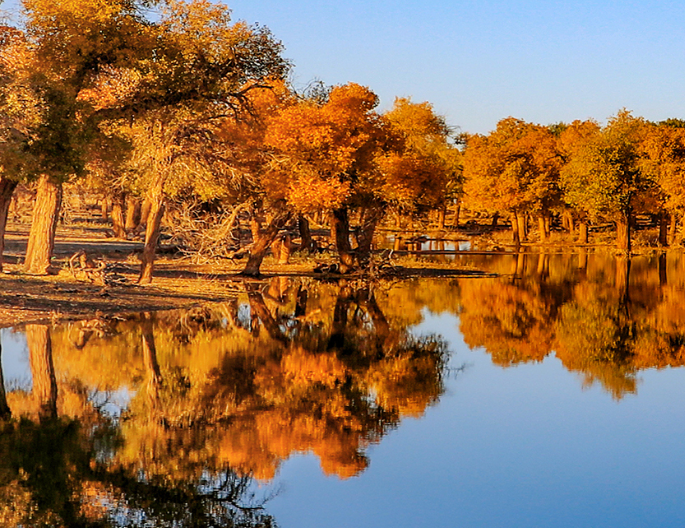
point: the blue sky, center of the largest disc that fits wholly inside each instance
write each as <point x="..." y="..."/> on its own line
<point x="481" y="61"/>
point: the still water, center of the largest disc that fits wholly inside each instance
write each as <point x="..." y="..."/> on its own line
<point x="549" y="396"/>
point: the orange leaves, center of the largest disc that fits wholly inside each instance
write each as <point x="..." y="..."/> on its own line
<point x="410" y="179"/>
<point x="323" y="151"/>
<point x="514" y="168"/>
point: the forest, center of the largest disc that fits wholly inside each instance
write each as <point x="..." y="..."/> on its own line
<point x="179" y="118"/>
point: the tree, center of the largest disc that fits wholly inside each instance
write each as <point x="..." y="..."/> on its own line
<point x="424" y="170"/>
<point x="604" y="176"/>
<point x="70" y="46"/>
<point x="664" y="162"/>
<point x="571" y="138"/>
<point x="514" y="169"/>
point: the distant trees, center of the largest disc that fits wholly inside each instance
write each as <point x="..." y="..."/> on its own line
<point x="583" y="170"/>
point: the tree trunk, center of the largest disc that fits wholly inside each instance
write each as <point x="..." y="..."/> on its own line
<point x="341" y="229"/>
<point x="367" y="229"/>
<point x="494" y="221"/>
<point x="144" y="213"/>
<point x="104" y="208"/>
<point x="284" y="253"/>
<point x="42" y="370"/>
<point x="541" y="229"/>
<point x="132" y="213"/>
<point x="442" y="213"/>
<point x="118" y="222"/>
<point x="307" y="243"/>
<point x="623" y="233"/>
<point x="663" y="228"/>
<point x="154" y="222"/>
<point x="261" y="244"/>
<point x="515" y="229"/>
<point x="457" y="213"/>
<point x="583" y="231"/>
<point x="673" y="229"/>
<point x="43" y="226"/>
<point x="522" y="219"/>
<point x="5" y="411"/>
<point x="6" y="190"/>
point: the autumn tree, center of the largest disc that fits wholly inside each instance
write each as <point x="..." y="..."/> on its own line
<point x="21" y="111"/>
<point x="664" y="162"/>
<point x="604" y="178"/>
<point x="514" y="170"/>
<point x="70" y="45"/>
<point x="571" y="139"/>
<point x="424" y="170"/>
<point x="202" y="70"/>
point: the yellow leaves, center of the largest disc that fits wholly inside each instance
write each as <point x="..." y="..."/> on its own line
<point x="308" y="193"/>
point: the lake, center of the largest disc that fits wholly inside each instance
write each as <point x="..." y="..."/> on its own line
<point x="550" y="395"/>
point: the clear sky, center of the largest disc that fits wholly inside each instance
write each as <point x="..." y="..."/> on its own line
<point x="479" y="61"/>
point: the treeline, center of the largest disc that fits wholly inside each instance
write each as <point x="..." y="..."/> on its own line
<point x="583" y="172"/>
<point x="149" y="102"/>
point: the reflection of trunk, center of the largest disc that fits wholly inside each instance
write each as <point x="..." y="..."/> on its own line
<point x="263" y="240"/>
<point x="301" y="302"/>
<point x="583" y="230"/>
<point x="582" y="261"/>
<point x="663" y="228"/>
<point x="259" y="308"/>
<point x="663" y="277"/>
<point x="543" y="266"/>
<point x="340" y="226"/>
<point x="118" y="222"/>
<point x="5" y="411"/>
<point x="623" y="233"/>
<point x="380" y="323"/>
<point x="6" y="190"/>
<point x="622" y="279"/>
<point x="43" y="226"/>
<point x="369" y="222"/>
<point x="154" y="222"/>
<point x="342" y="306"/>
<point x="520" y="264"/>
<point x="42" y="370"/>
<point x="132" y="214"/>
<point x="305" y="234"/>
<point x="150" y="362"/>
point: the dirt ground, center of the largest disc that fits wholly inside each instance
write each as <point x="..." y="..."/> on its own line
<point x="178" y="282"/>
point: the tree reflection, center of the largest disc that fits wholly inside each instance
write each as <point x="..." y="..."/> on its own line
<point x="216" y="398"/>
<point x="606" y="319"/>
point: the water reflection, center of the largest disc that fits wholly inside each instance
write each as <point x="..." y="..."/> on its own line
<point x="604" y="317"/>
<point x="171" y="418"/>
<point x="217" y="397"/>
